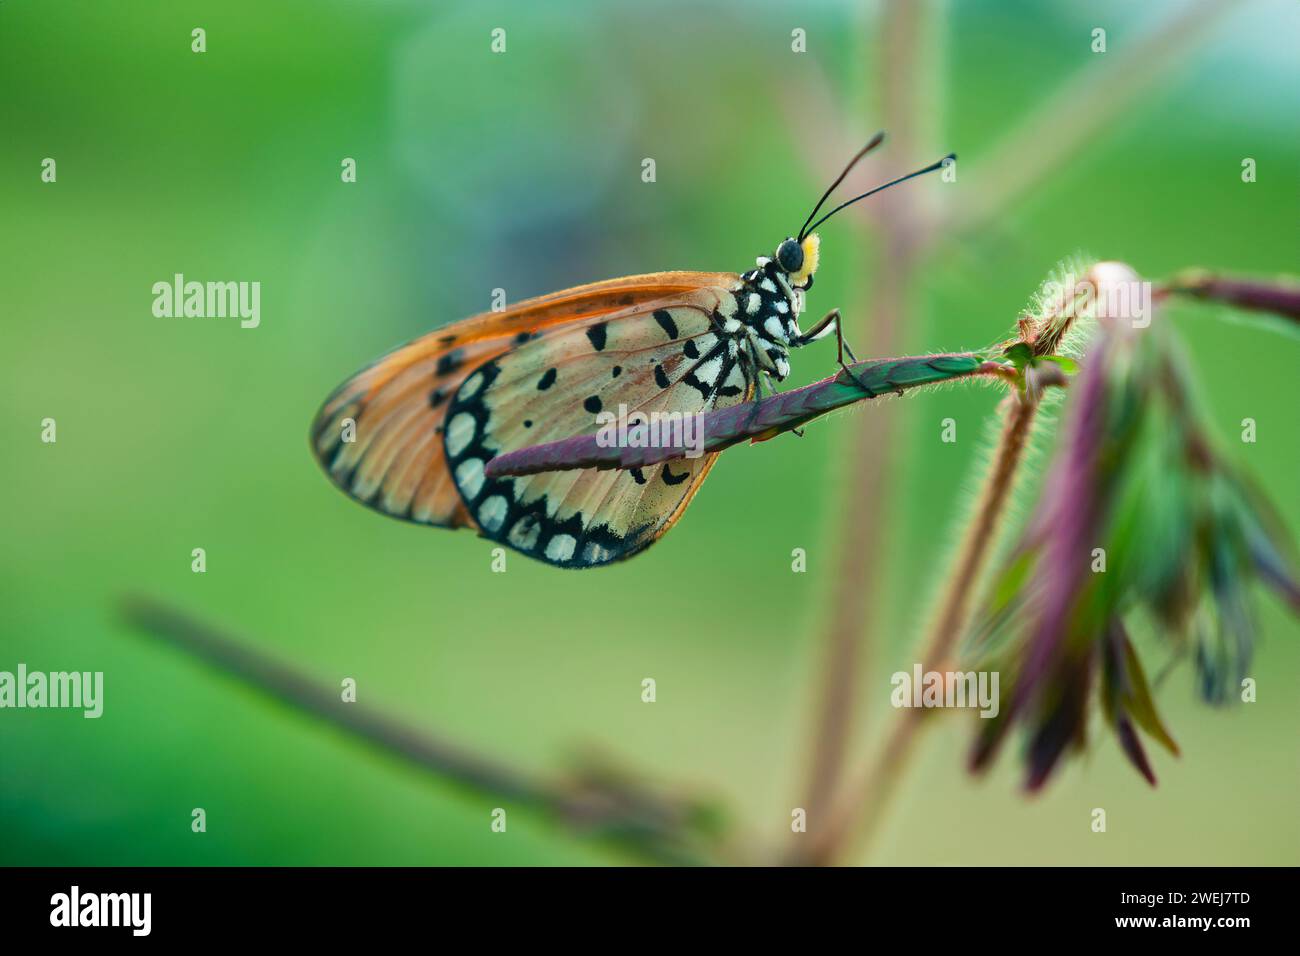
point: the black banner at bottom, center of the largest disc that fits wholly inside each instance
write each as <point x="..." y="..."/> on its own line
<point x="209" y="905"/>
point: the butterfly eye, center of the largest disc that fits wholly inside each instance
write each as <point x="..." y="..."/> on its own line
<point x="789" y="256"/>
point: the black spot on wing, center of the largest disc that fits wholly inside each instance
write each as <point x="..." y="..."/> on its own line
<point x="731" y="391"/>
<point x="592" y="404"/>
<point x="671" y="479"/>
<point x="547" y="380"/>
<point x="437" y="397"/>
<point x="597" y="335"/>
<point x="450" y="362"/>
<point x="691" y="350"/>
<point x="661" y="377"/>
<point x="637" y="475"/>
<point x="665" y="320"/>
<point x="617" y="371"/>
<point x="695" y="383"/>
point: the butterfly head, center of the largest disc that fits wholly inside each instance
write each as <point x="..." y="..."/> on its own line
<point x="797" y="258"/>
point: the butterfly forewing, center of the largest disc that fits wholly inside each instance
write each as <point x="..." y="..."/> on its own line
<point x="668" y="361"/>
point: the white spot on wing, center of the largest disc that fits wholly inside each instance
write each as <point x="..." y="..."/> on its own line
<point x="595" y="554"/>
<point x="560" y="548"/>
<point x="753" y="302"/>
<point x="471" y="385"/>
<point x="492" y="513"/>
<point x="524" y="532"/>
<point x="469" y="477"/>
<point x="459" y="432"/>
<point x="773" y="328"/>
<point x="708" y="371"/>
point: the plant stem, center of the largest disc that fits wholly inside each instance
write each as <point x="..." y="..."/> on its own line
<point x="754" y="421"/>
<point x="1278" y="296"/>
<point x="650" y="826"/>
<point x="847" y="827"/>
<point x="1018" y="420"/>
<point x="903" y="80"/>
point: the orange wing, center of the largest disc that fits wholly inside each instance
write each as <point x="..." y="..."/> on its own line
<point x="379" y="435"/>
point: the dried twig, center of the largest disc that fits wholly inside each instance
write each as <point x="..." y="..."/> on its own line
<point x="594" y="802"/>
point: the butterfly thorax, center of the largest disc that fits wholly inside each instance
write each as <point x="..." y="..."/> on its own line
<point x="768" y="308"/>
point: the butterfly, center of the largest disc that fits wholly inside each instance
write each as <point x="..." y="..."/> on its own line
<point x="411" y="434"/>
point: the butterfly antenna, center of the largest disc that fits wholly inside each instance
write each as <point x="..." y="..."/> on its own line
<point x="875" y="141"/>
<point x="871" y="192"/>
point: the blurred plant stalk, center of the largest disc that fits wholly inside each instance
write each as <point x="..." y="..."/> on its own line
<point x="596" y="799"/>
<point x="908" y="110"/>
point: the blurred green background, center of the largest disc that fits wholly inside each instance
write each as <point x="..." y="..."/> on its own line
<point x="522" y="171"/>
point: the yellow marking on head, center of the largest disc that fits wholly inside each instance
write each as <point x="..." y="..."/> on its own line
<point x="811" y="248"/>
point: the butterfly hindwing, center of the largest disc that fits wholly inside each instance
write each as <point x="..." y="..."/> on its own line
<point x="379" y="435"/>
<point x="671" y="360"/>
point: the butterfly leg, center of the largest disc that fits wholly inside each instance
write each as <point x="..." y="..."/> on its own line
<point x="824" y="327"/>
<point x="763" y="387"/>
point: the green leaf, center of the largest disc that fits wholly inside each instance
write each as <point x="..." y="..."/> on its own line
<point x="1138" y="701"/>
<point x="1067" y="365"/>
<point x="1012" y="579"/>
<point x="1020" y="355"/>
<point x="954" y="364"/>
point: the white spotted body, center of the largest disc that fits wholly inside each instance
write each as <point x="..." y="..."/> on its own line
<point x="768" y="309"/>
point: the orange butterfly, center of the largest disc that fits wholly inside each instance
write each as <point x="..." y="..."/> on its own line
<point x="411" y="435"/>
